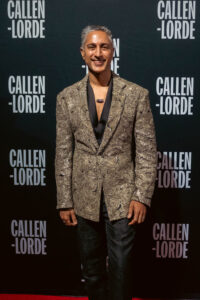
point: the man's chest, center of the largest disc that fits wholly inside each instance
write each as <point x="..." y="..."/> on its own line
<point x="99" y="99"/>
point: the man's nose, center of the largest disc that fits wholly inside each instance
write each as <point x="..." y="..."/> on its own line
<point x="98" y="51"/>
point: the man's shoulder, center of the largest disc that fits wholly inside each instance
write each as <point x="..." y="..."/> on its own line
<point x="70" y="89"/>
<point x="132" y="86"/>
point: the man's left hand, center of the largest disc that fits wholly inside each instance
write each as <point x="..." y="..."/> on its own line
<point x="138" y="211"/>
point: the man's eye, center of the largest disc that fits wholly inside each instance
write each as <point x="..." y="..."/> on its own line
<point x="91" y="47"/>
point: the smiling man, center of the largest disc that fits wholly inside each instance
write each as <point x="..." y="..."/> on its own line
<point x="105" y="166"/>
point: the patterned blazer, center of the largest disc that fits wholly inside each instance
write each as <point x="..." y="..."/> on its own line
<point x="124" y="164"/>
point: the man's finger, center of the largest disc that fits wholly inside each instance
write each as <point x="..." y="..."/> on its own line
<point x="130" y="211"/>
<point x="141" y="218"/>
<point x="135" y="219"/>
<point x="74" y="219"/>
<point x="67" y="218"/>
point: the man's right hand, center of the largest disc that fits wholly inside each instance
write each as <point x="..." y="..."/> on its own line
<point x="68" y="217"/>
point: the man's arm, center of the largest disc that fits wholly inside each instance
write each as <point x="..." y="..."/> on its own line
<point x="64" y="162"/>
<point x="145" y="160"/>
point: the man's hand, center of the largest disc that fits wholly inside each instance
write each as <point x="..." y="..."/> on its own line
<point x="138" y="211"/>
<point x="68" y="217"/>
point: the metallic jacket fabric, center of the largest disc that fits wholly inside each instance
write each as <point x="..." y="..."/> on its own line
<point x="124" y="164"/>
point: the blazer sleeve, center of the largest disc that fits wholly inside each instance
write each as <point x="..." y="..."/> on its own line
<point x="145" y="151"/>
<point x="64" y="154"/>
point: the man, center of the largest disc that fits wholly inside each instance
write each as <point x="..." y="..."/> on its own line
<point x="105" y="166"/>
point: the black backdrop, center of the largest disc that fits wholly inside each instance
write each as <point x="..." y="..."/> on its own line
<point x="157" y="46"/>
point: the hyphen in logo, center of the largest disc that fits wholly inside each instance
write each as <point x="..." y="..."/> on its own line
<point x="29" y="166"/>
<point x="171" y="240"/>
<point x="176" y="95"/>
<point x="30" y="236"/>
<point x="115" y="60"/>
<point x="27" y="18"/>
<point x="177" y="19"/>
<point x="28" y="94"/>
<point x="174" y="170"/>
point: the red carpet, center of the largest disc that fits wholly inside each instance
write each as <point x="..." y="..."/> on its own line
<point x="37" y="297"/>
<point x="40" y="297"/>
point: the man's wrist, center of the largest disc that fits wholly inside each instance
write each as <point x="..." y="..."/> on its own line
<point x="136" y="200"/>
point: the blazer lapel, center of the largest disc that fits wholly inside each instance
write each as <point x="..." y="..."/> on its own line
<point x="114" y="115"/>
<point x="85" y="116"/>
<point x="116" y="108"/>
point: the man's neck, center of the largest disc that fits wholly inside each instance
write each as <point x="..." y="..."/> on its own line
<point x="101" y="79"/>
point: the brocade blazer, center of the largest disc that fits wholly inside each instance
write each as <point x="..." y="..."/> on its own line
<point x="124" y="164"/>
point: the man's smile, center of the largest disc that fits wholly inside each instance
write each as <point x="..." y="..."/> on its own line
<point x="98" y="62"/>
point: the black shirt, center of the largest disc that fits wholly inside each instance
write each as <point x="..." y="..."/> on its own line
<point x="99" y="125"/>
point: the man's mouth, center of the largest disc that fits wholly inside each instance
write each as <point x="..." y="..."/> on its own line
<point x="98" y="62"/>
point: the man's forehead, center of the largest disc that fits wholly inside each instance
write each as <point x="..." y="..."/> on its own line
<point x="97" y="37"/>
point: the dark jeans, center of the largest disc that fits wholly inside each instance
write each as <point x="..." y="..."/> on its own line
<point x="98" y="240"/>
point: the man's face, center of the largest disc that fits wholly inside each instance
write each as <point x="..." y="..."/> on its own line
<point x="97" y="51"/>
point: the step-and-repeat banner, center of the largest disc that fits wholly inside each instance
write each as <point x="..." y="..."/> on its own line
<point x="156" y="46"/>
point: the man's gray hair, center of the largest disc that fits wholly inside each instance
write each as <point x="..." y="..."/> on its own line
<point x="90" y="28"/>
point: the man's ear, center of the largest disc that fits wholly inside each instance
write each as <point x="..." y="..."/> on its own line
<point x="82" y="53"/>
